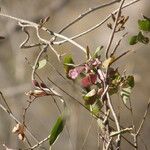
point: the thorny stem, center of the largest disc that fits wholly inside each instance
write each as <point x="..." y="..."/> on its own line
<point x="114" y="29"/>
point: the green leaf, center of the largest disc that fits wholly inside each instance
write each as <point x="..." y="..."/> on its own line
<point x="90" y="97"/>
<point x="68" y="63"/>
<point x="97" y="52"/>
<point x="56" y="130"/>
<point x="141" y="38"/>
<point x="40" y="64"/>
<point x="96" y="107"/>
<point x="133" y="40"/>
<point x="125" y="95"/>
<point x="130" y="81"/>
<point x="144" y="24"/>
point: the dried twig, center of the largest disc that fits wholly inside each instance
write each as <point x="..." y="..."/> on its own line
<point x="117" y="45"/>
<point x="97" y="25"/>
<point x="135" y="135"/>
<point x="114" y="29"/>
<point x="118" y="140"/>
<point x="17" y="121"/>
<point x="89" y="11"/>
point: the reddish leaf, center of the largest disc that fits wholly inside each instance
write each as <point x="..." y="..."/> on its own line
<point x="89" y="80"/>
<point x="43" y="85"/>
<point x="35" y="83"/>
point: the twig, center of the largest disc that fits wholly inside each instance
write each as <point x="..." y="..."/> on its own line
<point x="3" y="98"/>
<point x="144" y="117"/>
<point x="16" y="120"/>
<point x="23" y="44"/>
<point x="37" y="60"/>
<point x="117" y="45"/>
<point x="96" y="26"/>
<point x="26" y="23"/>
<point x="25" y="110"/>
<point x="123" y="54"/>
<point x="90" y="10"/>
<point x="135" y="135"/>
<point x="116" y="121"/>
<point x="114" y="29"/>
<point x="39" y="143"/>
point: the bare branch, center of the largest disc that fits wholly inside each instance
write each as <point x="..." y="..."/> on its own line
<point x="97" y="25"/>
<point x="90" y="10"/>
<point x="114" y="29"/>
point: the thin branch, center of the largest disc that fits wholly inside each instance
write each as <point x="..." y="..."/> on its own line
<point x="90" y="10"/>
<point x="143" y="120"/>
<point x="23" y="44"/>
<point x="117" y="45"/>
<point x="3" y="98"/>
<point x="37" y="60"/>
<point x="118" y="140"/>
<point x="97" y="25"/>
<point x="17" y="121"/>
<point x="39" y="143"/>
<point x="26" y="23"/>
<point x="114" y="29"/>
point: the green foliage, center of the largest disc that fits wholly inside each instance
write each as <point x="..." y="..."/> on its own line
<point x="138" y="38"/>
<point x="90" y="97"/>
<point x="144" y="24"/>
<point x="97" y="53"/>
<point x="57" y="129"/>
<point x="133" y="40"/>
<point x="96" y="107"/>
<point x="68" y="63"/>
<point x="126" y="89"/>
<point x="41" y="64"/>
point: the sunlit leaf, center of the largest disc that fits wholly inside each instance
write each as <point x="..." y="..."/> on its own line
<point x="108" y="61"/>
<point x="133" y="40"/>
<point x="144" y="24"/>
<point x="68" y="63"/>
<point x="56" y="130"/>
<point x="90" y="97"/>
<point x="97" y="52"/>
<point x="96" y="107"/>
<point x="41" y="64"/>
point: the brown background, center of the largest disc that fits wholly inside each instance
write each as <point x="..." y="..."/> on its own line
<point x="15" y="72"/>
